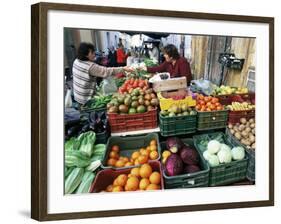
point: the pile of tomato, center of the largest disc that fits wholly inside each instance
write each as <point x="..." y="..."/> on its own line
<point x="207" y="103"/>
<point x="132" y="83"/>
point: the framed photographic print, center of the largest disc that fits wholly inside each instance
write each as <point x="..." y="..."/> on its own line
<point x="139" y="111"/>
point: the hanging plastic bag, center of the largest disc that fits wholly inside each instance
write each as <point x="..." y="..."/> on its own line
<point x="68" y="100"/>
<point x="202" y="86"/>
<point x="108" y="86"/>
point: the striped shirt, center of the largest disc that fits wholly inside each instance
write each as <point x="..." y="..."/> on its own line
<point x="84" y="78"/>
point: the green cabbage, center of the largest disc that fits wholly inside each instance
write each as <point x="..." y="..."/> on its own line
<point x="213" y="146"/>
<point x="213" y="161"/>
<point x="224" y="154"/>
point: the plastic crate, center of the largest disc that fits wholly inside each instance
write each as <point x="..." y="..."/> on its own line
<point x="177" y="125"/>
<point x="106" y="177"/>
<point x="251" y="155"/>
<point x="208" y="120"/>
<point x="197" y="179"/>
<point x="166" y="103"/>
<point x="101" y="138"/>
<point x="234" y="116"/>
<point x="224" y="173"/>
<point x="132" y="122"/>
<point x="228" y="99"/>
<point x="128" y="145"/>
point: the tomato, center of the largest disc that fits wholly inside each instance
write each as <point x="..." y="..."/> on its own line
<point x="131" y="81"/>
<point x="201" y="102"/>
<point x="200" y="97"/>
<point x="206" y="99"/>
<point x="198" y="107"/>
<point x="217" y="104"/>
<point x="135" y="85"/>
<point x="219" y="107"/>
<point x="208" y="109"/>
<point x="215" y="100"/>
<point x="208" y="104"/>
<point x="212" y="107"/>
<point x="203" y="107"/>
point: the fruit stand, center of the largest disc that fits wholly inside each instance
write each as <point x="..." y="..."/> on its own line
<point x="143" y="139"/>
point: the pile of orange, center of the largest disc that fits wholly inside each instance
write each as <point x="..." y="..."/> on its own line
<point x="207" y="103"/>
<point x="140" y="178"/>
<point x="139" y="157"/>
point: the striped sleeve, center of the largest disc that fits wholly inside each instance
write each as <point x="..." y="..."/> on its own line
<point x="103" y="72"/>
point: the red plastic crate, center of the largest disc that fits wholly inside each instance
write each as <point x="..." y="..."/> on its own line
<point x="107" y="176"/>
<point x="132" y="122"/>
<point x="228" y="99"/>
<point x="234" y="116"/>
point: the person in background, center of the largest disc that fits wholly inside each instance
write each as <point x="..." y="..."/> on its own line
<point x="130" y="58"/>
<point x="112" y="57"/>
<point x="154" y="53"/>
<point x="121" y="56"/>
<point x="145" y="51"/>
<point x="174" y="64"/>
<point x="85" y="73"/>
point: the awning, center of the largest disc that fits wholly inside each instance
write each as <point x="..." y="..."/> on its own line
<point x="149" y="34"/>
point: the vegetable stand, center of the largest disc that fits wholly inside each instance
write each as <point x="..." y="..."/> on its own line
<point x="139" y="139"/>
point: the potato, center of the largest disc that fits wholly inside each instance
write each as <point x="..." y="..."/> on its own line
<point x="248" y="124"/>
<point x="237" y="135"/>
<point x="253" y="131"/>
<point x="248" y="129"/>
<point x="252" y="125"/>
<point x="245" y="142"/>
<point x="230" y="126"/>
<point x="253" y="146"/>
<point x="243" y="120"/>
<point x="244" y="134"/>
<point x="251" y="138"/>
<point x="232" y="131"/>
<point x="236" y="129"/>
<point x="252" y="120"/>
<point x="241" y="127"/>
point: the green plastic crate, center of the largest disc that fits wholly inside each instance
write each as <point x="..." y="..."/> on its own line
<point x="208" y="120"/>
<point x="251" y="154"/>
<point x="197" y="179"/>
<point x="128" y="145"/>
<point x="224" y="173"/>
<point x="177" y="125"/>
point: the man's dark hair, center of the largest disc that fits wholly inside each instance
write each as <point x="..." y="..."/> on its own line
<point x="84" y="50"/>
<point x="171" y="51"/>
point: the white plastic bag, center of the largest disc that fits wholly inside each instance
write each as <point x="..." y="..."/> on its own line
<point x="68" y="100"/>
<point x="108" y="86"/>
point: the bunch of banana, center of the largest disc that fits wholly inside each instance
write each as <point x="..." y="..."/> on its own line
<point x="236" y="106"/>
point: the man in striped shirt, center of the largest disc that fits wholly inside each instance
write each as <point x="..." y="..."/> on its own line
<point x="85" y="72"/>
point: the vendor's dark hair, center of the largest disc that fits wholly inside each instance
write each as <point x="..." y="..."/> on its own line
<point x="171" y="51"/>
<point x="84" y="50"/>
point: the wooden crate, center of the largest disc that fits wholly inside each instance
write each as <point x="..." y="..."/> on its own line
<point x="170" y="84"/>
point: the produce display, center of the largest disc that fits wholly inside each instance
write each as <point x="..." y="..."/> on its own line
<point x="97" y="102"/>
<point x="245" y="131"/>
<point x="138" y="157"/>
<point x="131" y="84"/>
<point x="142" y="178"/>
<point x="137" y="101"/>
<point x="175" y="110"/>
<point x="207" y="103"/>
<point x="82" y="159"/>
<point x="227" y="90"/>
<point x="179" y="158"/>
<point x="236" y="106"/>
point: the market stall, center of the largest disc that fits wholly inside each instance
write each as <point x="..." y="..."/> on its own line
<point x="155" y="133"/>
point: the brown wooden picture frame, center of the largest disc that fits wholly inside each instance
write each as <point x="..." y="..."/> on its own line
<point x="39" y="109"/>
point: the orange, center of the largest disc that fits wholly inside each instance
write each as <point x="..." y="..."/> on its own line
<point x="132" y="160"/>
<point x="129" y="164"/>
<point x="152" y="187"/>
<point x="153" y="148"/>
<point x="132" y="184"/>
<point x="111" y="162"/>
<point x="145" y="171"/>
<point x="148" y="148"/>
<point x="115" y="183"/>
<point x="113" y="155"/>
<point x="145" y="152"/>
<point x="135" y="172"/>
<point x="122" y="180"/>
<point x="136" y="162"/>
<point x="142" y="150"/>
<point x="166" y="154"/>
<point x="153" y="142"/>
<point x="155" y="178"/>
<point x="144" y="183"/>
<point x="115" y="148"/>
<point x="109" y="188"/>
<point x="143" y="159"/>
<point x="117" y="189"/>
<point x="153" y="155"/>
<point x="135" y="155"/>
<point x="119" y="163"/>
<point x="125" y="159"/>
